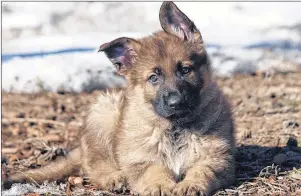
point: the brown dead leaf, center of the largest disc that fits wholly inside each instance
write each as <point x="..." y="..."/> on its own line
<point x="271" y="179"/>
<point x="13" y="158"/>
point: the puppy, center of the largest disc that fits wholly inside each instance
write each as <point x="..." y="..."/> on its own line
<point x="169" y="132"/>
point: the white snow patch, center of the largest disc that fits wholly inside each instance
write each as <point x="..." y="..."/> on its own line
<point x="72" y="72"/>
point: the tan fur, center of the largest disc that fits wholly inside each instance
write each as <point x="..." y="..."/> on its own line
<point x="126" y="142"/>
<point x="143" y="143"/>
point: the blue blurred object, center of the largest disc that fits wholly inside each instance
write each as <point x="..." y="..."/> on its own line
<point x="7" y="57"/>
<point x="276" y="44"/>
<point x="213" y="46"/>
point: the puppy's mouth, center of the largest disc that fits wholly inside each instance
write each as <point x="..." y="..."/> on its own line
<point x="170" y="113"/>
<point x="180" y="113"/>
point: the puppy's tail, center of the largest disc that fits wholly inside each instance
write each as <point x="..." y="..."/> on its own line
<point x="53" y="171"/>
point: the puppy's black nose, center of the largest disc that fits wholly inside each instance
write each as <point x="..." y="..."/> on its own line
<point x="173" y="99"/>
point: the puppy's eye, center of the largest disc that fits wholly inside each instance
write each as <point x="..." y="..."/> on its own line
<point x="185" y="70"/>
<point x="153" y="78"/>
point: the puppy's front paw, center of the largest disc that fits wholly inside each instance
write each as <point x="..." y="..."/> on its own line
<point x="188" y="188"/>
<point x="159" y="189"/>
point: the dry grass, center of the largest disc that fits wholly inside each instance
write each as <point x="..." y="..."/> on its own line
<point x="38" y="128"/>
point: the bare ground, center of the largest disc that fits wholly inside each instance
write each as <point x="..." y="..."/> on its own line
<point x="38" y="128"/>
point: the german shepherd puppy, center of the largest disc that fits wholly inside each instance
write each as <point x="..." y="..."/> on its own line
<point x="169" y="132"/>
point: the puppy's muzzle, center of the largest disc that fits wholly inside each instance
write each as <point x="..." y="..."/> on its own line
<point x="173" y="99"/>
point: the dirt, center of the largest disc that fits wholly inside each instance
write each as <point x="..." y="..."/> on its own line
<point x="39" y="128"/>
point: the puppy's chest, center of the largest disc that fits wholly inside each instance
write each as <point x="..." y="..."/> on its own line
<point x="178" y="149"/>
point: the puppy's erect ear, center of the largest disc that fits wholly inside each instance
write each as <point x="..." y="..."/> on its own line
<point x="121" y="53"/>
<point x="174" y="21"/>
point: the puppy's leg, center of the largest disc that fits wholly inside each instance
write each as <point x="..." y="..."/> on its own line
<point x="151" y="180"/>
<point x="106" y="177"/>
<point x="97" y="141"/>
<point x="101" y="169"/>
<point x="213" y="170"/>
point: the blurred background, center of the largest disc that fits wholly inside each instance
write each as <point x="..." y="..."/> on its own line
<point x="52" y="46"/>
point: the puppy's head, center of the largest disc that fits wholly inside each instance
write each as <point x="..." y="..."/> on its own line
<point x="171" y="67"/>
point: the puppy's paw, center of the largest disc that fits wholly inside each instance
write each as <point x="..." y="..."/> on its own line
<point x="159" y="189"/>
<point x="188" y="188"/>
<point x="116" y="182"/>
